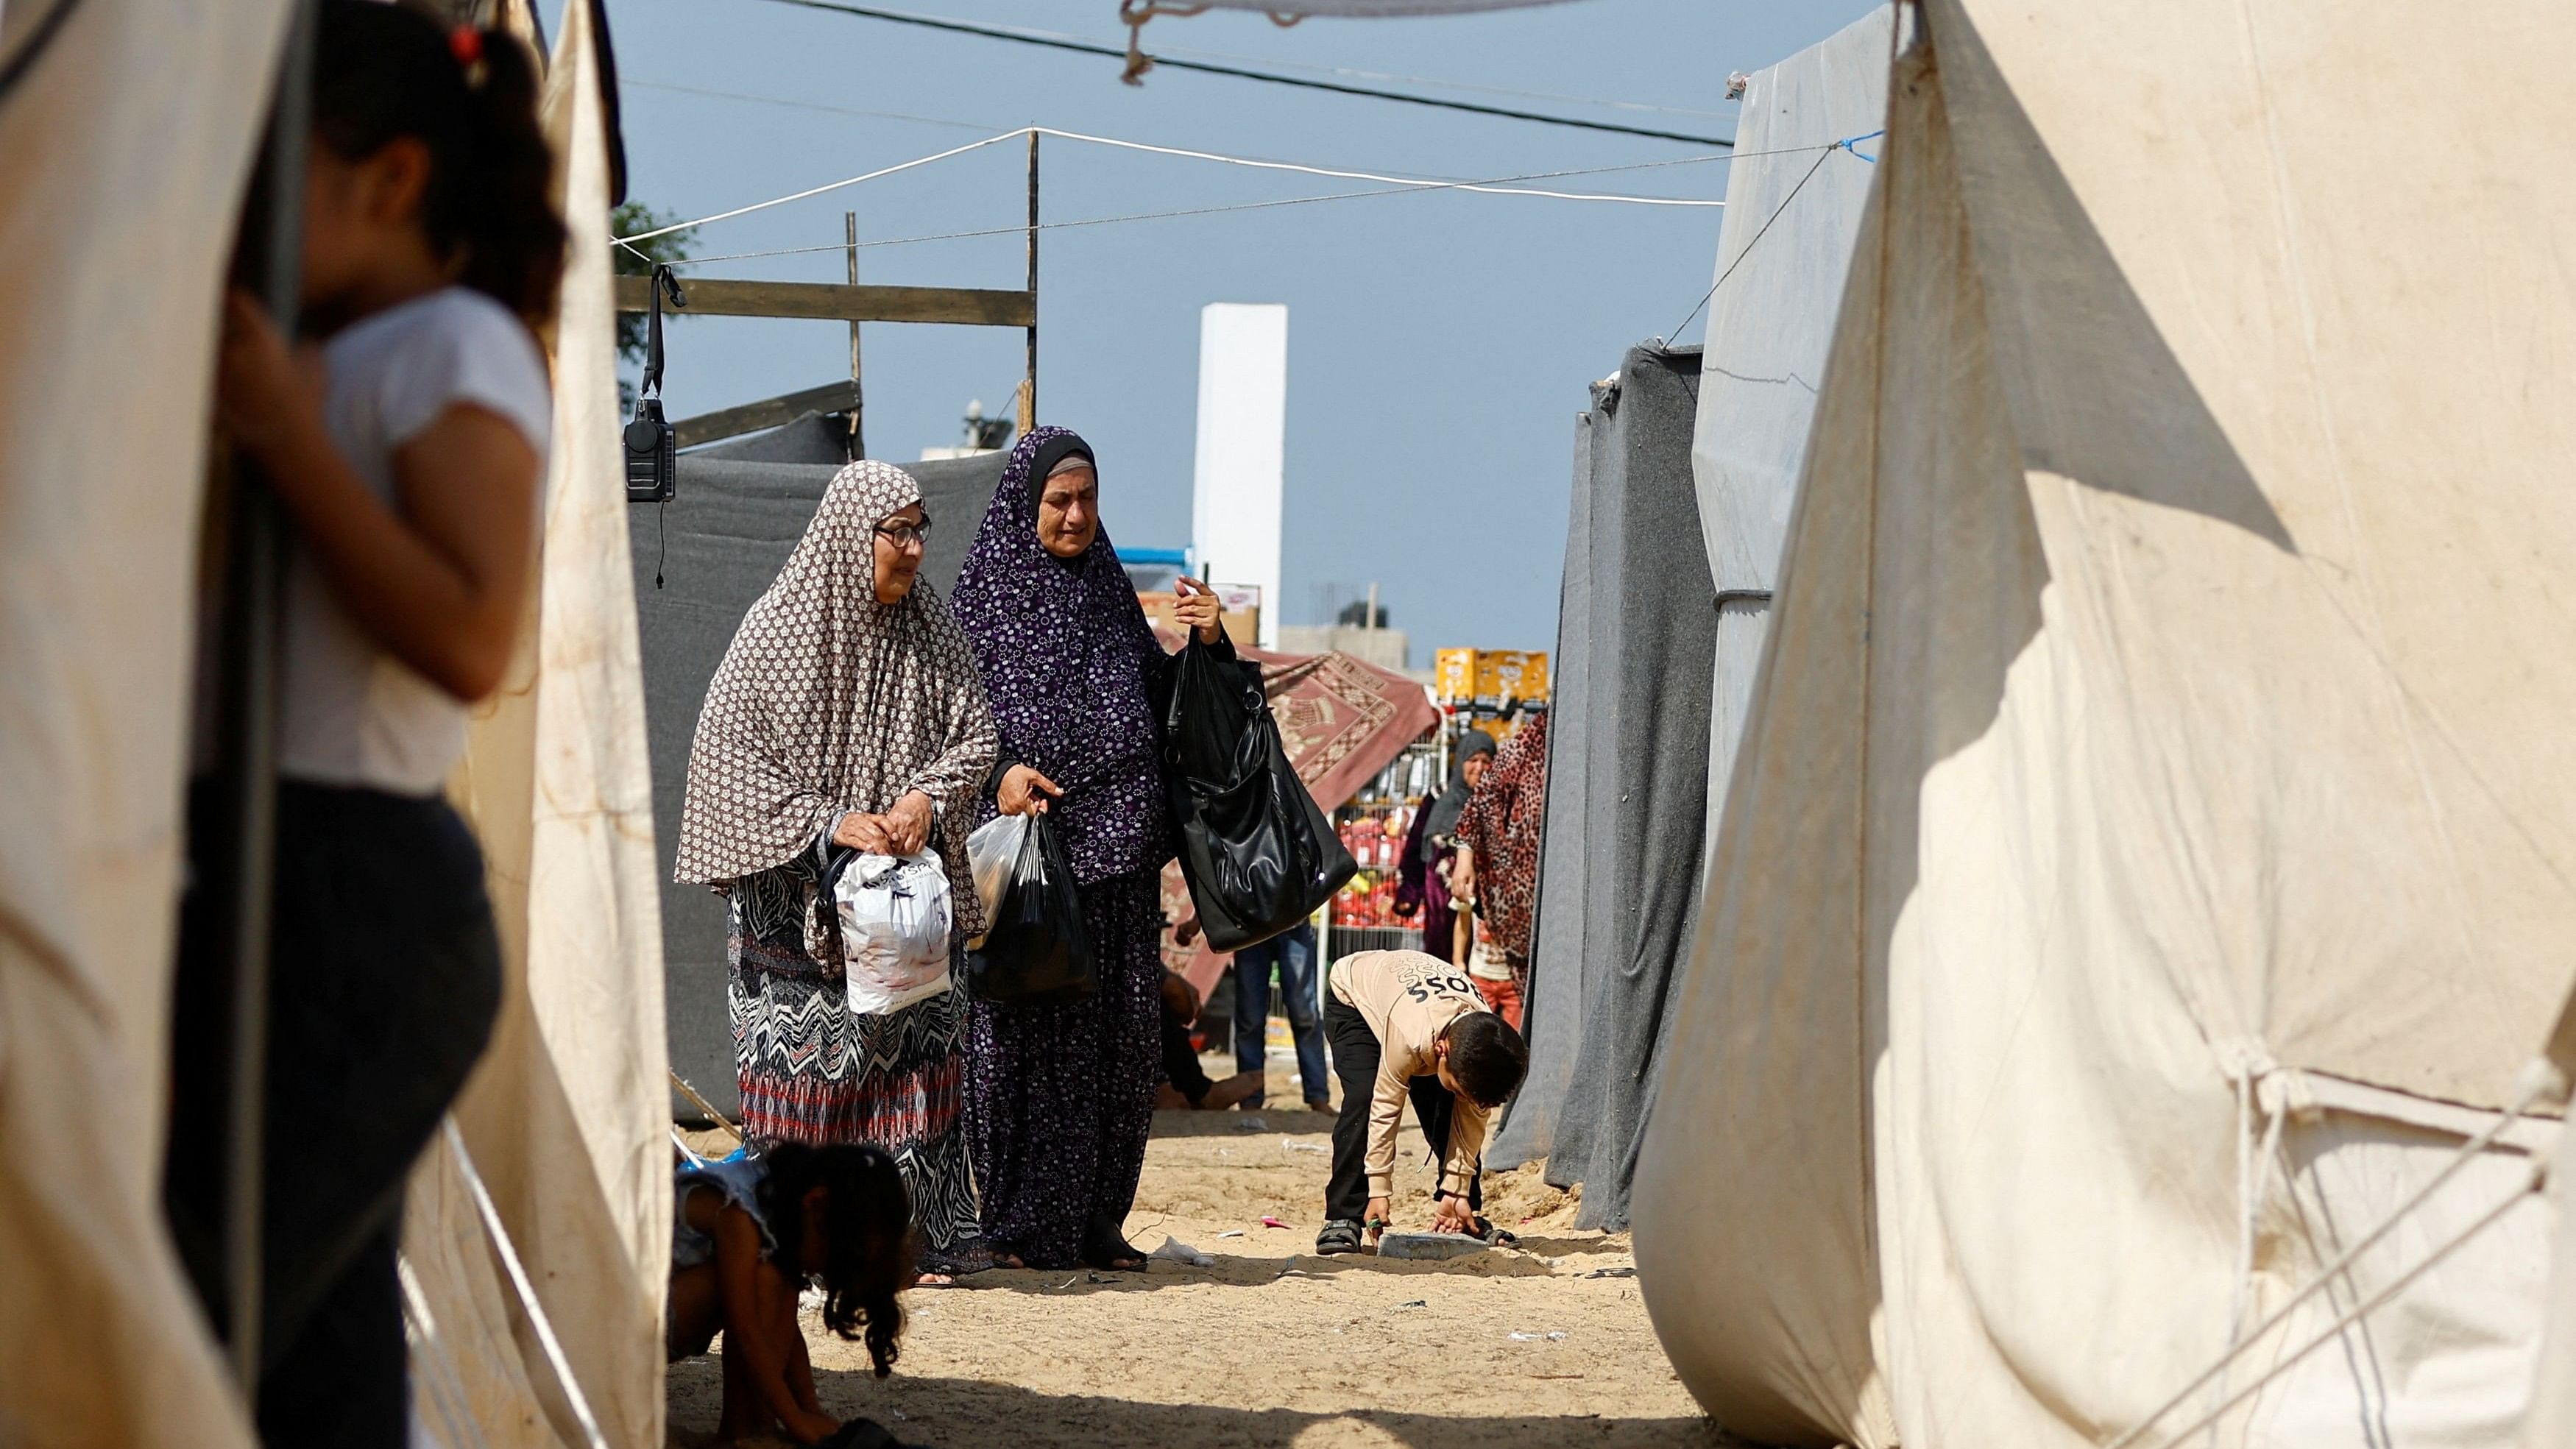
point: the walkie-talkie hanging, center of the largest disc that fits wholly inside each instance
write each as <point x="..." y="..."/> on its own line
<point x="651" y="446"/>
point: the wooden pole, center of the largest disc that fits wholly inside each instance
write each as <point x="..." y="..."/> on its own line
<point x="247" y="726"/>
<point x="1029" y="384"/>
<point x="858" y="393"/>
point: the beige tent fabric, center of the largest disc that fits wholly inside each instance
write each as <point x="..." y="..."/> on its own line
<point x="123" y="154"/>
<point x="2159" y="738"/>
<point x="567" y="1117"/>
<point x="474" y="1376"/>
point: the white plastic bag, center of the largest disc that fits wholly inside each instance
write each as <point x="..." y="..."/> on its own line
<point x="895" y="922"/>
<point x="990" y="851"/>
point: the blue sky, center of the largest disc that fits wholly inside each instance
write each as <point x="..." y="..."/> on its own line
<point x="1439" y="344"/>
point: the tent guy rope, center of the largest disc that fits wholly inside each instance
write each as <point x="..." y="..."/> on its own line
<point x="2539" y="1177"/>
<point x="1491" y="187"/>
<point x="2539" y="1081"/>
<point x="517" y="1271"/>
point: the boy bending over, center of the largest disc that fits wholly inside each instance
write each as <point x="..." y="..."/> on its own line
<point x="1407" y="1024"/>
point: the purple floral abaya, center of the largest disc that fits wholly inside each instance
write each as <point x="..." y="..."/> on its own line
<point x="1060" y="1097"/>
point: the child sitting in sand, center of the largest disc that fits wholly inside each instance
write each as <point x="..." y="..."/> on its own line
<point x="1407" y="1024"/>
<point x="1185" y="1083"/>
<point x="750" y="1233"/>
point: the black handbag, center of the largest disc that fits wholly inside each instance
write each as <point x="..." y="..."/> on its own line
<point x="1258" y="853"/>
<point x="1036" y="947"/>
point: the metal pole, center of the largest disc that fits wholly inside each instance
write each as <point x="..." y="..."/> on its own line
<point x="859" y="397"/>
<point x="1029" y="384"/>
<point x="247" y="724"/>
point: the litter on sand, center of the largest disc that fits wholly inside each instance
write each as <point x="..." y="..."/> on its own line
<point x="1176" y="1251"/>
<point x="1272" y="1223"/>
<point x="1415" y="1303"/>
<point x="1293" y="1145"/>
<point x="1231" y="1233"/>
<point x="1557" y="1335"/>
<point x="1623" y="1272"/>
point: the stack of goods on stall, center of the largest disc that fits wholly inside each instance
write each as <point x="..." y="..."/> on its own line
<point x="1373" y="827"/>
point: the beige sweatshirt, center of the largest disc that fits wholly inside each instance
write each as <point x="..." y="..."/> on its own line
<point x="1407" y="998"/>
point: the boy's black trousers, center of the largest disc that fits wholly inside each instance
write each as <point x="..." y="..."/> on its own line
<point x="1355" y="1061"/>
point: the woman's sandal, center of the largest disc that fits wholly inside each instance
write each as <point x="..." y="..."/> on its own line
<point x="1105" y="1249"/>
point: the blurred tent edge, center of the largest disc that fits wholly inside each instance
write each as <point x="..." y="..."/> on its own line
<point x="566" y="1118"/>
<point x="2146" y="865"/>
<point x="125" y="143"/>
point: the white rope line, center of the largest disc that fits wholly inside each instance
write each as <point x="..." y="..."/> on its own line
<point x="2376" y="1301"/>
<point x="1022" y="229"/>
<point x="1490" y="188"/>
<point x="2538" y="1080"/>
<point x="1339" y="175"/>
<point x="2253" y="1188"/>
<point x="446" y="1384"/>
<point x="819" y="190"/>
<point x="527" y="1291"/>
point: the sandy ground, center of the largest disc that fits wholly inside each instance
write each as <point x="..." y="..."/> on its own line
<point x="1272" y="1348"/>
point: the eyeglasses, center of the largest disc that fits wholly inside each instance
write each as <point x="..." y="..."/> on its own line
<point x="905" y="535"/>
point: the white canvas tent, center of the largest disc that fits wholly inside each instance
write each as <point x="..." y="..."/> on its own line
<point x="2147" y="861"/>
<point x="125" y="144"/>
<point x="124" y="148"/>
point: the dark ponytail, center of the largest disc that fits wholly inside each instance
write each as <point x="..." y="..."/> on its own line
<point x="382" y="71"/>
<point x="871" y="1252"/>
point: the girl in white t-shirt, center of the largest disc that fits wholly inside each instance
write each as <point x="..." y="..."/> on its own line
<point x="408" y="450"/>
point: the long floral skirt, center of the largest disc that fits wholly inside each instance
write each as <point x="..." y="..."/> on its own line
<point x="1061" y="1096"/>
<point x="812" y="1071"/>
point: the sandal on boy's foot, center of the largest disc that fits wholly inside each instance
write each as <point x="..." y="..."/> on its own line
<point x="1340" y="1235"/>
<point x="1486" y="1232"/>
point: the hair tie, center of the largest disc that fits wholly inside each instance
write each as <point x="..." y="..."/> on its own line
<point x="466" y="44"/>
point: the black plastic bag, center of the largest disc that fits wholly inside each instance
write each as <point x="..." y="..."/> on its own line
<point x="1258" y="853"/>
<point x="1035" y="947"/>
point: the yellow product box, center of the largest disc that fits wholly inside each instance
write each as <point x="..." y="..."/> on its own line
<point x="1519" y="673"/>
<point x="1454" y="671"/>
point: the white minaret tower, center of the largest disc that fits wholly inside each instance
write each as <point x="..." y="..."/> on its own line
<point x="1242" y="453"/>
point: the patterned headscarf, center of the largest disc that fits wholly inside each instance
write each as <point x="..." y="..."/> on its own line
<point x="1065" y="651"/>
<point x="1451" y="800"/>
<point x="1501" y="825"/>
<point x="829" y="701"/>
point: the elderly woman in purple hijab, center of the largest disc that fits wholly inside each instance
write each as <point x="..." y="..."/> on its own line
<point x="1061" y="1095"/>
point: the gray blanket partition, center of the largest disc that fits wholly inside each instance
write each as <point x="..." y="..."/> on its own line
<point x="1555" y="1014"/>
<point x="1644" y="754"/>
<point x="739" y="510"/>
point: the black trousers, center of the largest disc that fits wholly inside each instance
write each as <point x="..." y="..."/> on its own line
<point x="1181" y="1060"/>
<point x="384" y="978"/>
<point x="1356" y="1054"/>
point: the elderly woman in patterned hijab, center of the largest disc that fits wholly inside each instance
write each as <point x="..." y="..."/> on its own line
<point x="1062" y="1094"/>
<point x="847" y="712"/>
